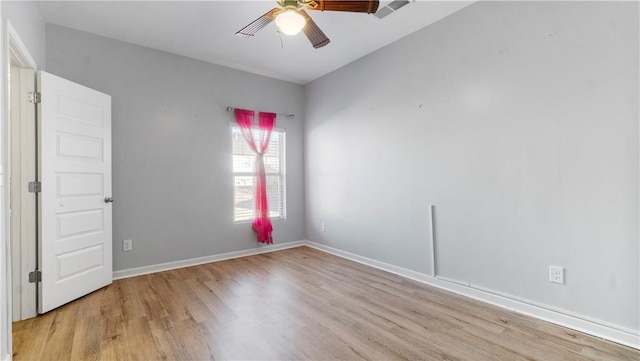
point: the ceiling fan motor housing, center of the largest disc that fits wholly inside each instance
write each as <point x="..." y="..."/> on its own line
<point x="290" y="3"/>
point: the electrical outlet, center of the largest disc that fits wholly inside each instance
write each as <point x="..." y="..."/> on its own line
<point x="127" y="245"/>
<point x="323" y="227"/>
<point x="556" y="274"/>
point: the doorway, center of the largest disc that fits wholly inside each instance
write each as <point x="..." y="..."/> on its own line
<point x="58" y="172"/>
<point x="21" y="158"/>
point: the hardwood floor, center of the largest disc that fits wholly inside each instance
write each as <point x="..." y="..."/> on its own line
<point x="294" y="304"/>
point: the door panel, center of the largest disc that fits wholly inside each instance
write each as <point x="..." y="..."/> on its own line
<point x="75" y="171"/>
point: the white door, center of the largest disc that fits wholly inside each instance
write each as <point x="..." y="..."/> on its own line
<point x="74" y="149"/>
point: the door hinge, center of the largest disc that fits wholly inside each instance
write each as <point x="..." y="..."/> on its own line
<point x="35" y="97"/>
<point x="35" y="187"/>
<point x="35" y="276"/>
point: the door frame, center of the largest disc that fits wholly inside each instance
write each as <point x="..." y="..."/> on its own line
<point x="22" y="170"/>
<point x="21" y="254"/>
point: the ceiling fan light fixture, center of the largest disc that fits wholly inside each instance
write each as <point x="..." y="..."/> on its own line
<point x="290" y="22"/>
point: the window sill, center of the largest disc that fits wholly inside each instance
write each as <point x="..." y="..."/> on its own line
<point x="251" y="220"/>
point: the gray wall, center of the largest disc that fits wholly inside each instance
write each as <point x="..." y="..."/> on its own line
<point x="172" y="179"/>
<point x="519" y="121"/>
<point x="26" y="18"/>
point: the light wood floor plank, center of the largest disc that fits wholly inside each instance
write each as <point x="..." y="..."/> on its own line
<point x="297" y="304"/>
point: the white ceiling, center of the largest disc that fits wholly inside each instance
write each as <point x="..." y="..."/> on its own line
<point x="205" y="30"/>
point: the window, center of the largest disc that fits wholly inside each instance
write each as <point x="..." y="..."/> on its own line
<point x="244" y="166"/>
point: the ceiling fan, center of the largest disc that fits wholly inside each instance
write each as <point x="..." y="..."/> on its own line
<point x="291" y="18"/>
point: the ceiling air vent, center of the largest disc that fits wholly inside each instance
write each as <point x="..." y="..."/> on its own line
<point x="390" y="8"/>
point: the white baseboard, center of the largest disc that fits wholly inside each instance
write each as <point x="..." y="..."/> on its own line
<point x="132" y="272"/>
<point x="615" y="333"/>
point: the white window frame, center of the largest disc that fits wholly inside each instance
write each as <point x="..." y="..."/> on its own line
<point x="282" y="174"/>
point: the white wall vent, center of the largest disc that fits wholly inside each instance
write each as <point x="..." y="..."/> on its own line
<point x="390" y="7"/>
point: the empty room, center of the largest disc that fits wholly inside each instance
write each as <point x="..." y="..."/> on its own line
<point x="320" y="180"/>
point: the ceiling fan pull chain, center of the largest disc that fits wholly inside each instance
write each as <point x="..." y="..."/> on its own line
<point x="280" y="35"/>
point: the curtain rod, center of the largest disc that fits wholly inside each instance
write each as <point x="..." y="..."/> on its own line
<point x="230" y="109"/>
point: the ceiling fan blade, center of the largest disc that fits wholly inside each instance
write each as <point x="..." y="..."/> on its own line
<point x="259" y="23"/>
<point x="317" y="38"/>
<point x="355" y="6"/>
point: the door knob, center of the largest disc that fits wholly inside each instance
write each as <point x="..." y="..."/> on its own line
<point x="108" y="199"/>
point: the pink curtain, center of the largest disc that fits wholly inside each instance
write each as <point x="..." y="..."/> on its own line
<point x="266" y="121"/>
